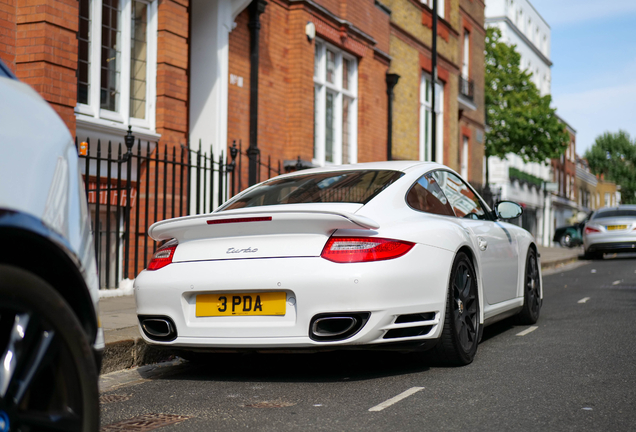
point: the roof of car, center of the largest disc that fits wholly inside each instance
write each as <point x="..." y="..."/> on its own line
<point x="619" y="207"/>
<point x="403" y="166"/>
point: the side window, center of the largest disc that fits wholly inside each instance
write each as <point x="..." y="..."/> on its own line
<point x="426" y="196"/>
<point x="463" y="200"/>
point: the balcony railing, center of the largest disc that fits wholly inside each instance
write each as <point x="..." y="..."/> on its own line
<point x="466" y="88"/>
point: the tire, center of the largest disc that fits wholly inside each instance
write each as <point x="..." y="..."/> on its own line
<point x="566" y="240"/>
<point x="531" y="292"/>
<point x="52" y="381"/>
<point x="462" y="330"/>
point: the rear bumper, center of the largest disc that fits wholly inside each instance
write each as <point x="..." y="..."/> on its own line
<point x="624" y="246"/>
<point x="385" y="289"/>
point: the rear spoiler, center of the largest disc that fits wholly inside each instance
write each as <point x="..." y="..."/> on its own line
<point x="257" y="222"/>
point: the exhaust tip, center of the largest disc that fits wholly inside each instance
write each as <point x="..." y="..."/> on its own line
<point x="158" y="328"/>
<point x="336" y="326"/>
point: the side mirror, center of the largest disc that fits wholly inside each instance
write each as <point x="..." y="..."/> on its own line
<point x="507" y="210"/>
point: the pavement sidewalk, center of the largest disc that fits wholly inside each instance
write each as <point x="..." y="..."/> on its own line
<point x="125" y="347"/>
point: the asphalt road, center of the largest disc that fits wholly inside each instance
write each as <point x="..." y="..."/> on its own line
<point x="574" y="371"/>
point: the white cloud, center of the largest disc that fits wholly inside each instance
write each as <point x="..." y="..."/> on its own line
<point x="557" y="12"/>
<point x="595" y="111"/>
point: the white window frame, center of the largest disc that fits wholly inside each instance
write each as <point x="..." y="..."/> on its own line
<point x="440" y="6"/>
<point x="466" y="62"/>
<point x="426" y="110"/>
<point x="321" y="87"/>
<point x="92" y="111"/>
<point x="464" y="161"/>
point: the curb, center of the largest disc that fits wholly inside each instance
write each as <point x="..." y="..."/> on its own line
<point x="131" y="353"/>
<point x="558" y="263"/>
<point x="135" y="352"/>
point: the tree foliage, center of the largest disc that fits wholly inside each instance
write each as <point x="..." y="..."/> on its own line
<point x="614" y="156"/>
<point x="520" y="120"/>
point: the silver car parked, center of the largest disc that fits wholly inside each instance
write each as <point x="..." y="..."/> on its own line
<point x="51" y="341"/>
<point x="610" y="229"/>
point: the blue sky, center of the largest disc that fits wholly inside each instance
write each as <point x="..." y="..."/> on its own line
<point x="594" y="65"/>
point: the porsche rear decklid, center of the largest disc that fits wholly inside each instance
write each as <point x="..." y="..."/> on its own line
<point x="268" y="232"/>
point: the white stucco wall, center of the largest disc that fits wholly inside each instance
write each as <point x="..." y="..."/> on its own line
<point x="212" y="22"/>
<point x="523" y="26"/>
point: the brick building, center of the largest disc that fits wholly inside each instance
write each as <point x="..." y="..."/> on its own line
<point x="180" y="72"/>
<point x="321" y="97"/>
<point x="564" y="199"/>
<point x="459" y="89"/>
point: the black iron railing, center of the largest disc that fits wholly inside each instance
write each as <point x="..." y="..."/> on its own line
<point x="129" y="188"/>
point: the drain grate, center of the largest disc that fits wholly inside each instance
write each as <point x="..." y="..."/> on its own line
<point x="146" y="422"/>
<point x="269" y="405"/>
<point x="106" y="399"/>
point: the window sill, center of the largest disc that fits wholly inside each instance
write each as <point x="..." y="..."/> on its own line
<point x="108" y="127"/>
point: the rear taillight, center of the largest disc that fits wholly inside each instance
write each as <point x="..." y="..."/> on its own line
<point x="163" y="256"/>
<point x="364" y="249"/>
<point x="590" y="230"/>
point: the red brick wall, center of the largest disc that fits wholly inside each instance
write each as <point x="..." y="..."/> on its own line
<point x="172" y="67"/>
<point x="171" y="123"/>
<point x="286" y="87"/>
<point x="8" y="30"/>
<point x="46" y="51"/>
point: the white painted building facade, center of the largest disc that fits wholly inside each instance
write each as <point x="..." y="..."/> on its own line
<point x="523" y="26"/>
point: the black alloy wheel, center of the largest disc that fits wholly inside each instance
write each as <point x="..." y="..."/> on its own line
<point x="48" y="378"/>
<point x="531" y="291"/>
<point x="462" y="329"/>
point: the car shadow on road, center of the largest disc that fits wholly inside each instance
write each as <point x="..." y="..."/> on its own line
<point x="334" y="366"/>
<point x="497" y="328"/>
<point x="617" y="256"/>
<point x="331" y="366"/>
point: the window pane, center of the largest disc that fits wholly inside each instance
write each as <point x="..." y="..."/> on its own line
<point x="111" y="55"/>
<point x="613" y="213"/>
<point x="138" y="60"/>
<point x="317" y="59"/>
<point x="329" y="127"/>
<point x="427" y="94"/>
<point x="345" y="186"/>
<point x="83" y="58"/>
<point x="346" y="129"/>
<point x="426" y="196"/>
<point x="427" y="133"/>
<point x="331" y="66"/>
<point x="316" y="122"/>
<point x="346" y="67"/>
<point x="462" y="199"/>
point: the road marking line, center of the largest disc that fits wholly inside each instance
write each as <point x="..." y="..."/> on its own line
<point x="396" y="399"/>
<point x="528" y="330"/>
<point x="583" y="300"/>
<point x="616" y="282"/>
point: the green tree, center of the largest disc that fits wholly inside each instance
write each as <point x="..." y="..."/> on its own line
<point x="520" y="120"/>
<point x="614" y="156"/>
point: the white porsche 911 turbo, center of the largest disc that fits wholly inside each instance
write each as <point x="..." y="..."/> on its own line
<point x="389" y="255"/>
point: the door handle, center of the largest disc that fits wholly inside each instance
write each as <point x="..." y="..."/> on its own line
<point x="483" y="244"/>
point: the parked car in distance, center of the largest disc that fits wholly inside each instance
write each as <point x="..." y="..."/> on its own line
<point x="571" y="235"/>
<point x="399" y="255"/>
<point x="50" y="339"/>
<point x="610" y="229"/>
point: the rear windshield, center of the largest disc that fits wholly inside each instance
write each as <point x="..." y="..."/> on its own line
<point x="614" y="213"/>
<point x="357" y="187"/>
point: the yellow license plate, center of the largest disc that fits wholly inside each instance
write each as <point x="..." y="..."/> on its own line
<point x="616" y="227"/>
<point x="267" y="303"/>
